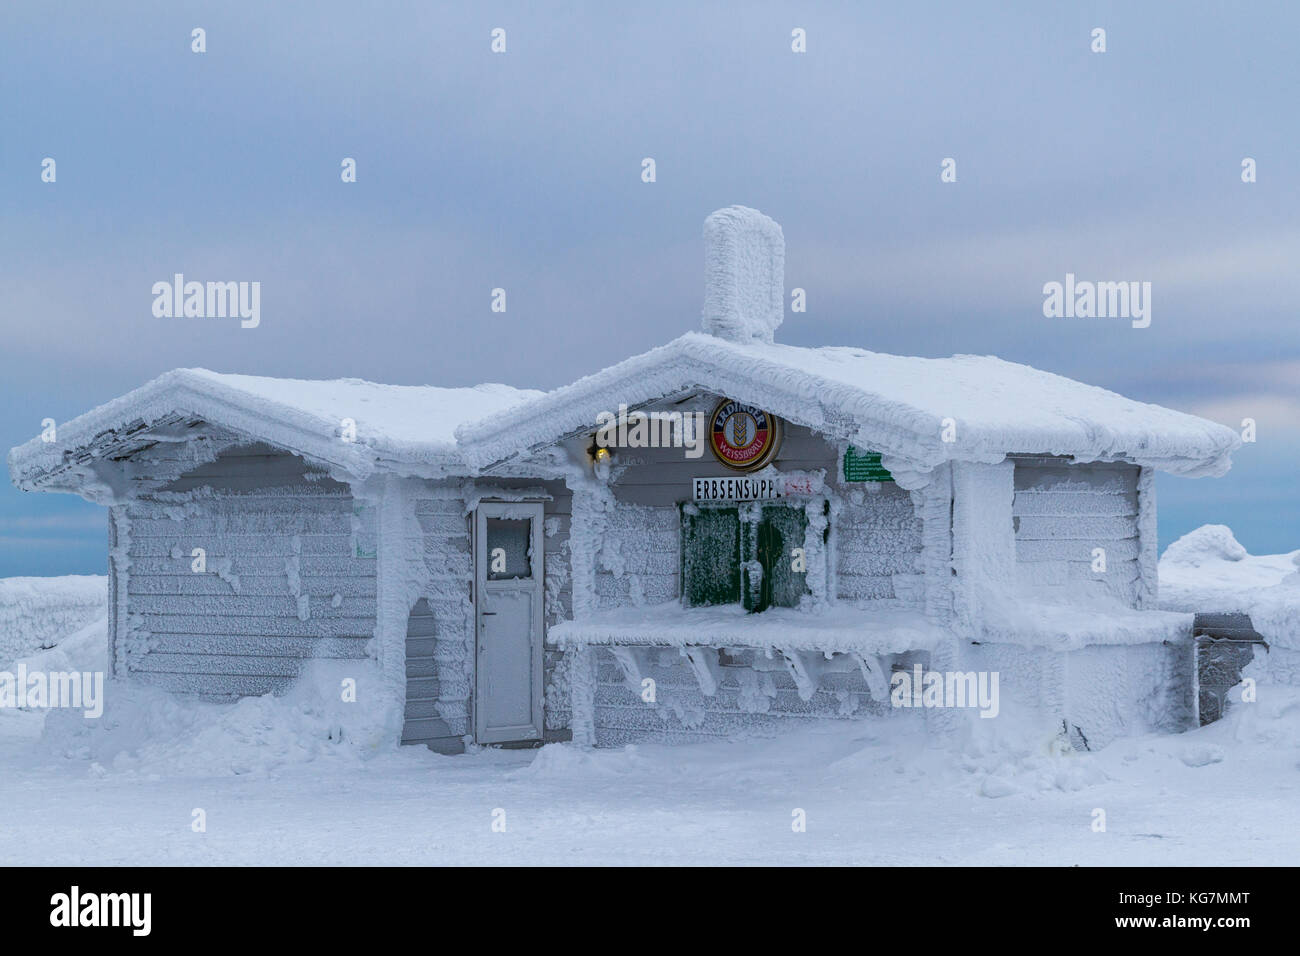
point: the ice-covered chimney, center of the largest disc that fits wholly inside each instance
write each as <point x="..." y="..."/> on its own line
<point x="744" y="261"/>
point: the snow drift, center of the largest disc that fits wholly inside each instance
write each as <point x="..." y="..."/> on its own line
<point x="147" y="730"/>
<point x="36" y="612"/>
<point x="1208" y="570"/>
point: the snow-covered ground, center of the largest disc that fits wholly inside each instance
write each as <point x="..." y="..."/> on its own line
<point x="873" y="793"/>
<point x="304" y="779"/>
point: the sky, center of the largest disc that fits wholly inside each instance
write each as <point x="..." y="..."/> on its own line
<point x="523" y="170"/>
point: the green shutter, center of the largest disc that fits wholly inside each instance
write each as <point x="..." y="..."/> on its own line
<point x="780" y="530"/>
<point x="864" y="466"/>
<point x="729" y="561"/>
<point x="710" y="556"/>
<point x="788" y="525"/>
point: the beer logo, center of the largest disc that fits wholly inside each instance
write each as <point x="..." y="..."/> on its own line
<point x="742" y="436"/>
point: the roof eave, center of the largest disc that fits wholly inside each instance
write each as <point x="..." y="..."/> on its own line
<point x="37" y="465"/>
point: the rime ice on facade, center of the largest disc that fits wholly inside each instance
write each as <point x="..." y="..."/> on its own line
<point x="508" y="577"/>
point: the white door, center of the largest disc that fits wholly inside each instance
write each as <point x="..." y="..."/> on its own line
<point x="509" y="608"/>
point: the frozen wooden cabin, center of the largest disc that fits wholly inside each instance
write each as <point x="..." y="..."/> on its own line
<point x="719" y="536"/>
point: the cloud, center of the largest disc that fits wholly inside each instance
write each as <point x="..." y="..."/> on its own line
<point x="1004" y="270"/>
<point x="1273" y="413"/>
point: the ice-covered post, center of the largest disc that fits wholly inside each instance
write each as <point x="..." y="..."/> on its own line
<point x="582" y="695"/>
<point x="744" y="258"/>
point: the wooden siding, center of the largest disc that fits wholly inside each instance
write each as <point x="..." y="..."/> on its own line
<point x="877" y="535"/>
<point x="281" y="541"/>
<point x="1062" y="512"/>
<point x="423" y="723"/>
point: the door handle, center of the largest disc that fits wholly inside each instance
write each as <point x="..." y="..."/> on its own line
<point x="488" y="613"/>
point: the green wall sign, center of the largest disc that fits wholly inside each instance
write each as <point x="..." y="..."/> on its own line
<point x="864" y="466"/>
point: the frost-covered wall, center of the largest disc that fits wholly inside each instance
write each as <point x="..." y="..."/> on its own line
<point x="983" y="545"/>
<point x="752" y="693"/>
<point x="286" y="572"/>
<point x="558" y="564"/>
<point x="1068" y="518"/>
<point x="1097" y="693"/>
<point x="639" y="561"/>
<point x="1130" y="689"/>
<point x="1042" y="528"/>
<point x="876" y="534"/>
<point x="440" y="637"/>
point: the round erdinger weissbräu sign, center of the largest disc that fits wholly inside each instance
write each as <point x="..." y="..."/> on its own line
<point x="742" y="436"/>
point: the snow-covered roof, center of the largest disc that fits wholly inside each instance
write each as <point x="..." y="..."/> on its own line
<point x="406" y="423"/>
<point x="897" y="405"/>
<point x="894" y="404"/>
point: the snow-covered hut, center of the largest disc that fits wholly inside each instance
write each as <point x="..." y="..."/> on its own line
<point x="720" y="535"/>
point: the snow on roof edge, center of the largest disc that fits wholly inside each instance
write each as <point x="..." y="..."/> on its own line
<point x="808" y="386"/>
<point x="267" y="409"/>
<point x="892" y="404"/>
